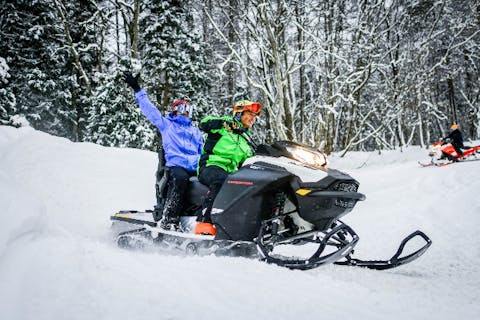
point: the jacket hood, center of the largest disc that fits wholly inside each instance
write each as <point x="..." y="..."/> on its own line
<point x="180" y="119"/>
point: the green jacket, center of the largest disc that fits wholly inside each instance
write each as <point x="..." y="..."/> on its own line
<point x="224" y="147"/>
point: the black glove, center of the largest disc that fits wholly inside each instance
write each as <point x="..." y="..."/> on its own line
<point x="227" y="125"/>
<point x="132" y="81"/>
<point x="234" y="127"/>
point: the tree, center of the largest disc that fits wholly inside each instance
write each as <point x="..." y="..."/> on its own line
<point x="336" y="74"/>
<point x="176" y="61"/>
<point x="7" y="98"/>
<point x="29" y="45"/>
<point x="82" y="30"/>
<point x="114" y="119"/>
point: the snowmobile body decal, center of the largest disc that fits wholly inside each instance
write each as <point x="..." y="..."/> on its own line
<point x="246" y="183"/>
<point x="157" y="230"/>
<point x="303" y="192"/>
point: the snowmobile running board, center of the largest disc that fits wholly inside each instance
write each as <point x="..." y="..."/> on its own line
<point x="394" y="261"/>
<point x="125" y="215"/>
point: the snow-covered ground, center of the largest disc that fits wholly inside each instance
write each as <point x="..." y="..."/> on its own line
<point x="58" y="261"/>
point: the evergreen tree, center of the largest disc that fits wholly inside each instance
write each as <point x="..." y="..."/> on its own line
<point x="38" y="44"/>
<point x="29" y="44"/>
<point x="175" y="59"/>
<point x="82" y="25"/>
<point x="114" y="118"/>
<point x="7" y="98"/>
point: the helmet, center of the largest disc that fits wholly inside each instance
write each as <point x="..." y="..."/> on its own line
<point x="182" y="106"/>
<point x="454" y="126"/>
<point x="245" y="105"/>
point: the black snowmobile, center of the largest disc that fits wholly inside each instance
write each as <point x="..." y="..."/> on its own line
<point x="282" y="206"/>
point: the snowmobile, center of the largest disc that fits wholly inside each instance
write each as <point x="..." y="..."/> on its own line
<point x="283" y="206"/>
<point x="443" y="153"/>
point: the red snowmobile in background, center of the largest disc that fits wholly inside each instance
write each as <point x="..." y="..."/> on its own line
<point x="443" y="153"/>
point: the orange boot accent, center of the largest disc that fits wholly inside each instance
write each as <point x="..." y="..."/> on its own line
<point x="205" y="228"/>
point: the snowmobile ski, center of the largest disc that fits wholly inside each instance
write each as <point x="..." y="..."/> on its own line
<point x="435" y="164"/>
<point x="443" y="164"/>
<point x="336" y="237"/>
<point x="395" y="260"/>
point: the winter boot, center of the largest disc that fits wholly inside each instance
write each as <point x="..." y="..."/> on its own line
<point x="170" y="224"/>
<point x="205" y="228"/>
<point x="170" y="220"/>
<point x="204" y="221"/>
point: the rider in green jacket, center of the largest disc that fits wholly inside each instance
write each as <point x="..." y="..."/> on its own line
<point x="226" y="147"/>
<point x="224" y="151"/>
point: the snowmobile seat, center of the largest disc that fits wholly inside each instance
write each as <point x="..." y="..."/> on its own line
<point x="195" y="194"/>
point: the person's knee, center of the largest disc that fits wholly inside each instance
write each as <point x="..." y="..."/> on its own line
<point x="179" y="174"/>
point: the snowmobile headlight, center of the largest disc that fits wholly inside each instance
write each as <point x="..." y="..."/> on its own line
<point x="310" y="157"/>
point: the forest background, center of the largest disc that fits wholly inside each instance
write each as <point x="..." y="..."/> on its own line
<point x="335" y="74"/>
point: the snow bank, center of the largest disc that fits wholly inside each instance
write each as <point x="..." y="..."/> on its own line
<point x="358" y="160"/>
<point x="57" y="260"/>
<point x="19" y="219"/>
<point x="22" y="213"/>
<point x="80" y="183"/>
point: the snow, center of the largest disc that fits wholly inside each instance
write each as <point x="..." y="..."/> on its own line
<point x="58" y="260"/>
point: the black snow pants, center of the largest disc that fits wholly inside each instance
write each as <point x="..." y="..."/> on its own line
<point x="178" y="179"/>
<point x="213" y="177"/>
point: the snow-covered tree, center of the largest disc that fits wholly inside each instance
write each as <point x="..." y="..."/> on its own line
<point x="51" y="52"/>
<point x="30" y="46"/>
<point x="175" y="60"/>
<point x="114" y="118"/>
<point x="336" y="74"/>
<point x="7" y="98"/>
<point x="82" y="23"/>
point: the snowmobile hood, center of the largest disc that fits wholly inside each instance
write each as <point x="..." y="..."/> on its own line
<point x="304" y="173"/>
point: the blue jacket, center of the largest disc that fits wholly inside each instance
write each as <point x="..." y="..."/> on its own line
<point x="181" y="141"/>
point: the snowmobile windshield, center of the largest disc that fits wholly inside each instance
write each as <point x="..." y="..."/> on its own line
<point x="307" y="155"/>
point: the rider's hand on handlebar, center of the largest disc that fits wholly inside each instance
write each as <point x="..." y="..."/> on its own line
<point x="231" y="126"/>
<point x="227" y="125"/>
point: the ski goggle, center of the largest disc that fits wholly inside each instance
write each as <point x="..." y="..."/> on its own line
<point x="183" y="108"/>
<point x="253" y="107"/>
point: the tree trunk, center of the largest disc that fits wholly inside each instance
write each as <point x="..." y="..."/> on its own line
<point x="75" y="55"/>
<point x="134" y="29"/>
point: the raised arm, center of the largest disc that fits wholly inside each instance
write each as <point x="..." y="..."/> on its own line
<point x="148" y="109"/>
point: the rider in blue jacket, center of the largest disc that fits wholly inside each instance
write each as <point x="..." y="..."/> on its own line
<point x="182" y="145"/>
